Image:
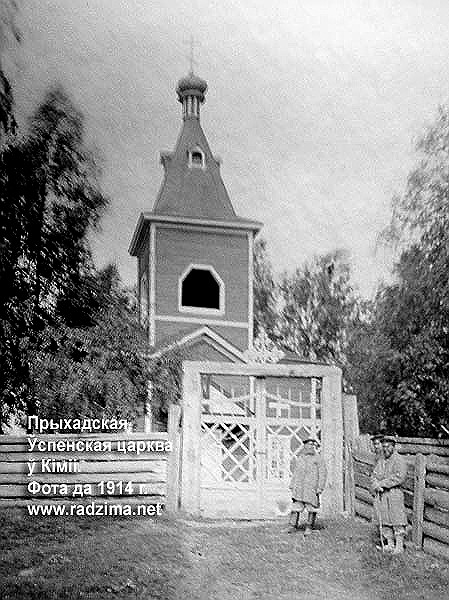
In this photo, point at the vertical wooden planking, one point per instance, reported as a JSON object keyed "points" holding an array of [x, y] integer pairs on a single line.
{"points": [[172, 501], [191, 440], [337, 440], [332, 441], [350, 434], [261, 443], [250, 288], [418, 500], [349, 483], [350, 417], [152, 285]]}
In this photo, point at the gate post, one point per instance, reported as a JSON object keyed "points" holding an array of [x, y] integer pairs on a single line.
{"points": [[349, 484], [350, 433], [172, 498], [332, 440], [191, 437], [350, 417]]}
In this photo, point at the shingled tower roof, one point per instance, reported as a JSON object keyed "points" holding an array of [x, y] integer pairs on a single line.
{"points": [[192, 192], [192, 185]]}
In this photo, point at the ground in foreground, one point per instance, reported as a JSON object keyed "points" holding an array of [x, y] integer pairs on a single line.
{"points": [[108, 558]]}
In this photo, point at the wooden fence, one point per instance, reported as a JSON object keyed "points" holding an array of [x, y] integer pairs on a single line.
{"points": [[426, 490], [152, 474]]}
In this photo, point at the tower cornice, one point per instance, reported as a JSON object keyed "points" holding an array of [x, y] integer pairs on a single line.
{"points": [[146, 218]]}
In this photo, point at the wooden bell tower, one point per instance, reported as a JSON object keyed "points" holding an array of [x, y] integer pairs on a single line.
{"points": [[195, 255]]}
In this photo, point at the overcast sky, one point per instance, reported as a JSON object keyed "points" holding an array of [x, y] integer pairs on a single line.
{"points": [[314, 107]]}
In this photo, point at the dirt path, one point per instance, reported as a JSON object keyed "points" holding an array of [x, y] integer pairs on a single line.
{"points": [[262, 562], [176, 559]]}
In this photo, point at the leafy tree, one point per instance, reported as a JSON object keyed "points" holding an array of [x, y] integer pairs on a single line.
{"points": [[369, 356], [165, 375], [318, 306], [404, 383], [8, 30], [97, 370], [313, 312], [265, 292], [50, 199], [264, 350], [79, 305]]}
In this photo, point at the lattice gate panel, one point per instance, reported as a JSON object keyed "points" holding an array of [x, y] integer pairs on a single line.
{"points": [[228, 431], [252, 430], [228, 452], [292, 414]]}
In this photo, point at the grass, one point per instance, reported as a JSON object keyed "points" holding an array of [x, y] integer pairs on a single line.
{"points": [[109, 558]]}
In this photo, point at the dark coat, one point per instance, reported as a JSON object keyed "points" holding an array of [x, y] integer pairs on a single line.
{"points": [[309, 478]]}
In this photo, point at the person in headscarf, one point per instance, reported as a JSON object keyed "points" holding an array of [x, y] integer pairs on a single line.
{"points": [[308, 483], [391, 497]]}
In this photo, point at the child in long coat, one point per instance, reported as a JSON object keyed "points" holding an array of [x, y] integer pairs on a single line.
{"points": [[308, 483]]}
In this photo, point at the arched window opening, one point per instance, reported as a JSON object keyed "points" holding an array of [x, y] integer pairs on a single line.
{"points": [[196, 159], [201, 289]]}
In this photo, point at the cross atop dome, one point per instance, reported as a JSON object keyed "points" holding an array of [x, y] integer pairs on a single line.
{"points": [[192, 43]]}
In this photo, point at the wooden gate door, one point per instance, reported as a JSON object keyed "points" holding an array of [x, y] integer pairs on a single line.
{"points": [[290, 412], [252, 429], [228, 477]]}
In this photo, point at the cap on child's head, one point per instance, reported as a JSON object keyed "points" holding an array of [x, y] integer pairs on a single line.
{"points": [[311, 440]]}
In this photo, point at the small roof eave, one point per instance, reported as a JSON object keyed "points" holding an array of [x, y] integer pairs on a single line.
{"points": [[149, 217], [137, 236]]}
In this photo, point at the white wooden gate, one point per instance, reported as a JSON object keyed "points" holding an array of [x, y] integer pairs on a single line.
{"points": [[251, 431], [250, 427]]}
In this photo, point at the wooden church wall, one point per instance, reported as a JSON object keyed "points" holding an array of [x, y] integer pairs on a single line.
{"points": [[143, 284], [203, 351], [176, 249], [238, 336]]}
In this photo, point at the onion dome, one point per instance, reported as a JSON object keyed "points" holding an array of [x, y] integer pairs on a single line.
{"points": [[191, 90], [192, 84]]}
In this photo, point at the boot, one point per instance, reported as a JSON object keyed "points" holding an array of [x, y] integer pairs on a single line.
{"points": [[310, 523], [399, 548], [297, 520], [390, 541]]}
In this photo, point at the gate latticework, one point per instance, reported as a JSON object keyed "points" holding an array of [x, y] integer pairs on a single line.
{"points": [[252, 429], [243, 428]]}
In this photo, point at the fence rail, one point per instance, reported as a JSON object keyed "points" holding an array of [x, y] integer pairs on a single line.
{"points": [[426, 490], [135, 477]]}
